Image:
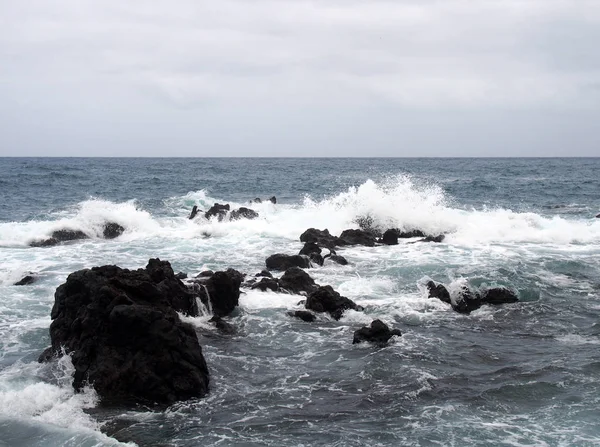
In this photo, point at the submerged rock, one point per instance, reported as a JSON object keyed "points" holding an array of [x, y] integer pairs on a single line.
{"points": [[333, 256], [125, 337], [283, 262], [264, 273], [438, 239], [378, 332], [325, 299], [243, 213]]}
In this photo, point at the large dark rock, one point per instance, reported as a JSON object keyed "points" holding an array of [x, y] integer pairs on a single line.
{"points": [[283, 262], [498, 295], [303, 315], [466, 301], [112, 230], [309, 248], [296, 280], [58, 236], [438, 291], [410, 234], [316, 258], [221, 291], [266, 284], [25, 281], [358, 237], [439, 238], [243, 213], [265, 273], [338, 259], [320, 237], [325, 299], [390, 237], [378, 332], [194, 212], [125, 337], [217, 210]]}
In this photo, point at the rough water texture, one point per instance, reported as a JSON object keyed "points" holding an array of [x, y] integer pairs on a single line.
{"points": [[524, 373]]}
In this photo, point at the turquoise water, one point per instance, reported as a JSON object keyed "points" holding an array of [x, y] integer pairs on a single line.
{"points": [[521, 374]]}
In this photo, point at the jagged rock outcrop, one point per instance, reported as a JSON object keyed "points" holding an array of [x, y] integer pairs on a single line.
{"points": [[283, 262], [64, 235], [220, 291], [194, 212], [466, 301], [325, 299], [124, 335], [358, 237], [378, 332]]}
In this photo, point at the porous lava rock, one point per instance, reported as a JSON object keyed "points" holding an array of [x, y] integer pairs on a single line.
{"points": [[378, 332], [325, 299], [125, 337]]}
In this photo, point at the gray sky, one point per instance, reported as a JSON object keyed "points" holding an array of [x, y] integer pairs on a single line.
{"points": [[300, 78]]}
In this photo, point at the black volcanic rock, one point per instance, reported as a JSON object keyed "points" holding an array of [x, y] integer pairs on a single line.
{"points": [[320, 237], [410, 234], [64, 235], [223, 291], [243, 213], [466, 301], [266, 284], [217, 210], [438, 239], [310, 247], [273, 199], [112, 230], [390, 237], [438, 291], [325, 299], [194, 212], [378, 332], [358, 237], [283, 262], [316, 258], [296, 280], [498, 295], [25, 281], [125, 337]]}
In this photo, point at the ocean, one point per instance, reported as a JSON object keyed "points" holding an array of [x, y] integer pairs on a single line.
{"points": [[522, 374]]}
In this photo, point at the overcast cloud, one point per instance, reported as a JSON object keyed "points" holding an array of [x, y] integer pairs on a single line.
{"points": [[300, 78]]}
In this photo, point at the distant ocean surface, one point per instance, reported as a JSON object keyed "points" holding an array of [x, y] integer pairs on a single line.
{"points": [[523, 374]]}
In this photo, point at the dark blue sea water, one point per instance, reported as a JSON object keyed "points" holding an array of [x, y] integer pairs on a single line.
{"points": [[524, 374]]}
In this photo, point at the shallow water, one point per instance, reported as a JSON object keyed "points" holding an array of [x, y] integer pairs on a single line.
{"points": [[520, 374]]}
